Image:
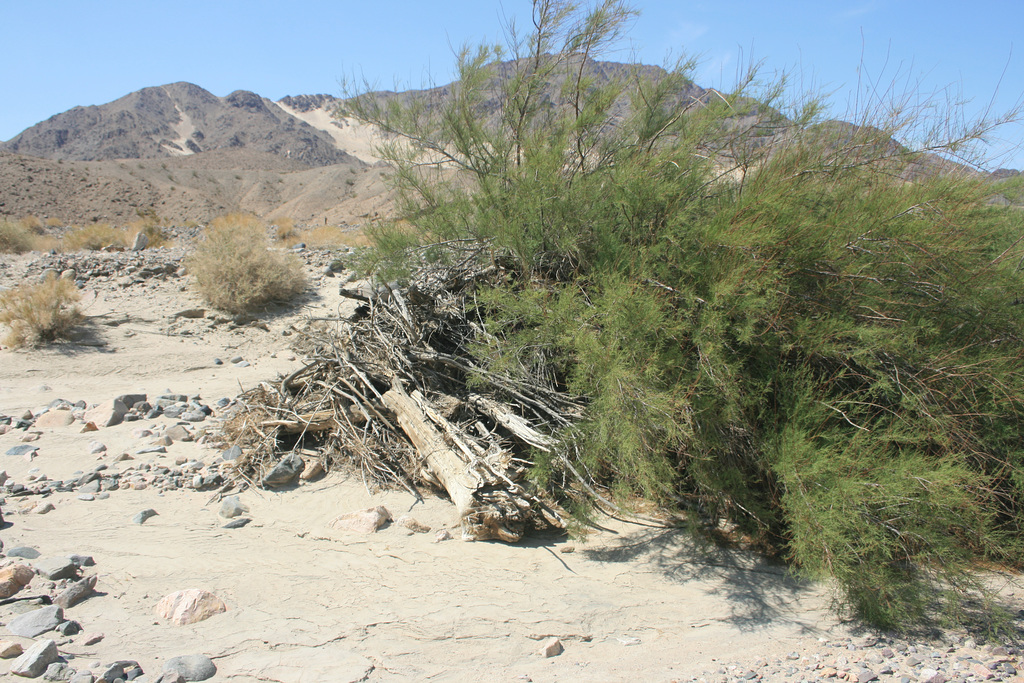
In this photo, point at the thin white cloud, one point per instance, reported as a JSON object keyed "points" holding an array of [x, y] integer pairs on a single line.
{"points": [[686, 32], [857, 11]]}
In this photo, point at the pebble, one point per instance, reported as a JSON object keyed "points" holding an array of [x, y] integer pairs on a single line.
{"points": [[285, 471], [189, 606], [191, 667], [231, 507], [236, 523]]}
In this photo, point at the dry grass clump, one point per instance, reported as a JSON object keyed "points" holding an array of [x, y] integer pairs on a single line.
{"points": [[153, 230], [32, 224], [286, 228], [15, 238], [328, 236], [39, 313], [235, 271], [94, 238]]}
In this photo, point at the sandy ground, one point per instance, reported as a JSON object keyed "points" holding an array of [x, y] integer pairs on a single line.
{"points": [[309, 604]]}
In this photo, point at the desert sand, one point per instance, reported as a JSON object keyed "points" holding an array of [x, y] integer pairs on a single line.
{"points": [[308, 603]]}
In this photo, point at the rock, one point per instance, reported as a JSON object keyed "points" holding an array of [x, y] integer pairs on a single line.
{"points": [[552, 647], [56, 568], [236, 523], [312, 470], [54, 418], [170, 677], [83, 677], [97, 447], [412, 525], [285, 471], [33, 662], [151, 450], [22, 450], [118, 670], [178, 433], [69, 628], [191, 667], [43, 508], [82, 560], [36, 622], [189, 606], [141, 517], [232, 453], [193, 416], [191, 313], [9, 649], [106, 414], [130, 400], [14, 578], [140, 242], [231, 507], [89, 427], [237, 359], [92, 638], [362, 521], [76, 592], [242, 364], [24, 552], [442, 535]]}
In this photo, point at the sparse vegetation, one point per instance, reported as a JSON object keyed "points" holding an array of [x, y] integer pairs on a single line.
{"points": [[39, 313], [94, 237], [787, 335], [235, 270], [15, 238]]}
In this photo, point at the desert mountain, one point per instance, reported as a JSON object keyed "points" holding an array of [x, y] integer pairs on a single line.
{"points": [[189, 155], [174, 120]]}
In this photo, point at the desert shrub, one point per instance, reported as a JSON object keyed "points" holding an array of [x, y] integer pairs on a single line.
{"points": [[54, 222], [32, 224], [39, 313], [235, 270], [14, 238], [150, 224], [286, 228], [325, 236], [798, 325], [94, 237]]}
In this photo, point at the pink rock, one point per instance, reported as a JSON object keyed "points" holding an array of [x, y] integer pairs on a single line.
{"points": [[14, 578], [9, 649], [362, 521], [106, 414], [92, 638], [552, 647], [189, 606], [413, 524], [54, 418]]}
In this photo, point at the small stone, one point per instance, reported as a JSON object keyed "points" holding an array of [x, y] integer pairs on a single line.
{"points": [[242, 364], [151, 450], [179, 433], [231, 453], [131, 400], [10, 649], [236, 523], [442, 535], [189, 606], [140, 242], [92, 638], [193, 416], [552, 647], [69, 628], [313, 469], [231, 507], [362, 521], [33, 662], [36, 622], [96, 447], [162, 441], [284, 472], [218, 361], [412, 524], [86, 497], [43, 508], [141, 517], [191, 667], [23, 551], [22, 450]]}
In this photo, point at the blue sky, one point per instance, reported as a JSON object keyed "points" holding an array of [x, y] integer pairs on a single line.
{"points": [[63, 53]]}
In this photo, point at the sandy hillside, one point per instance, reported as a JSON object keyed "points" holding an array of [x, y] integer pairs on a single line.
{"points": [[306, 603]]}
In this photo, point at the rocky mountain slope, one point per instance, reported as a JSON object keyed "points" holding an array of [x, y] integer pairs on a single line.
{"points": [[189, 155]]}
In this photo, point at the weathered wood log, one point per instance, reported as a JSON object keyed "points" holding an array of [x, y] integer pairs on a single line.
{"points": [[311, 422]]}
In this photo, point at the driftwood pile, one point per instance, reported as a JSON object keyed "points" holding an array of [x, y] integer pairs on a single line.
{"points": [[396, 391]]}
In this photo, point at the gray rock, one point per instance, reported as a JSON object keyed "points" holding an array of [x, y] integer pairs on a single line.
{"points": [[83, 677], [242, 364], [23, 449], [141, 241], [191, 667], [144, 515], [58, 671], [36, 622], [131, 399], [167, 399], [69, 628], [24, 552], [92, 487], [118, 669], [174, 411], [170, 677], [193, 416], [236, 523], [56, 568], [284, 472], [232, 507], [151, 449], [33, 662], [82, 560], [237, 359], [231, 453], [87, 497]]}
